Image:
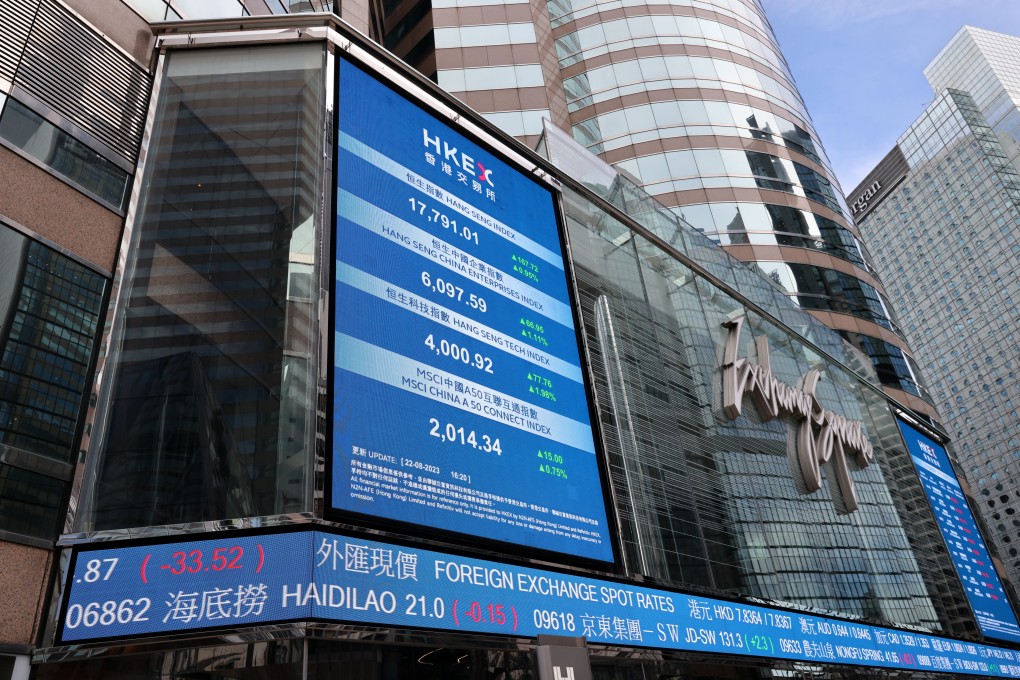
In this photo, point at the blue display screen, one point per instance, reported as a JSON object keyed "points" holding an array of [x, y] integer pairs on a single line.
{"points": [[234, 582], [459, 396], [967, 548]]}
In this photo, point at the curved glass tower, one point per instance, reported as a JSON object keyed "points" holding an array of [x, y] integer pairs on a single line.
{"points": [[695, 100]]}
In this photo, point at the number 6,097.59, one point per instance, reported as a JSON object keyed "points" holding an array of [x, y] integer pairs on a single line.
{"points": [[453, 291]]}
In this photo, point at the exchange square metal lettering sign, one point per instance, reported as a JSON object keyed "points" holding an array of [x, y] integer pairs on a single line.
{"points": [[823, 436]]}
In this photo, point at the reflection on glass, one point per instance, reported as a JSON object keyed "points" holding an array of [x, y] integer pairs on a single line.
{"points": [[151, 10], [616, 129], [276, 659], [62, 153], [210, 409], [210, 9], [610, 81], [893, 366], [828, 289], [49, 314], [704, 500], [311, 6], [691, 486], [29, 502]]}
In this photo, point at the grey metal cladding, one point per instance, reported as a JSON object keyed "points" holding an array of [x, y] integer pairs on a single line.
{"points": [[15, 22], [84, 78], [876, 186]]}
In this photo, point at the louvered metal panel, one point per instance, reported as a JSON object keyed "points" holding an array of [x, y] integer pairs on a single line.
{"points": [[85, 79], [15, 22]]}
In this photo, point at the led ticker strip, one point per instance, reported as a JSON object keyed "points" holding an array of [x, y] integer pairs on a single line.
{"points": [[967, 548], [238, 581], [459, 395]]}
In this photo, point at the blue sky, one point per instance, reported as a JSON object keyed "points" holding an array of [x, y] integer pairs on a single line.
{"points": [[860, 65]]}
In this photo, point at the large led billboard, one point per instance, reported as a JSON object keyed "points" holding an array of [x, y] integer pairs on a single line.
{"points": [[241, 579], [460, 401], [966, 547]]}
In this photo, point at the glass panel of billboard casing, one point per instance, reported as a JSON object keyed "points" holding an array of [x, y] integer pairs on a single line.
{"points": [[209, 406], [708, 501]]}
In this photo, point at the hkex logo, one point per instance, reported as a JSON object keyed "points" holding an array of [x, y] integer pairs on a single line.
{"points": [[451, 155]]}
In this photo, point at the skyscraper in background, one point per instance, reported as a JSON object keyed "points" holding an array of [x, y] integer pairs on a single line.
{"points": [[985, 65], [943, 212]]}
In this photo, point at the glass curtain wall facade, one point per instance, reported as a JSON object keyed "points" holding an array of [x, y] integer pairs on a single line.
{"points": [[696, 102], [984, 64], [49, 317], [174, 10], [212, 397], [763, 530], [212, 413], [693, 486], [947, 229]]}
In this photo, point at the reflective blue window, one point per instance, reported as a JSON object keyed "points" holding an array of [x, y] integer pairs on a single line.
{"points": [[31, 134]]}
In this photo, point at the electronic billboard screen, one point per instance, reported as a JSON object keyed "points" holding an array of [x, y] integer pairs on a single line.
{"points": [[460, 401], [967, 548], [235, 580]]}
